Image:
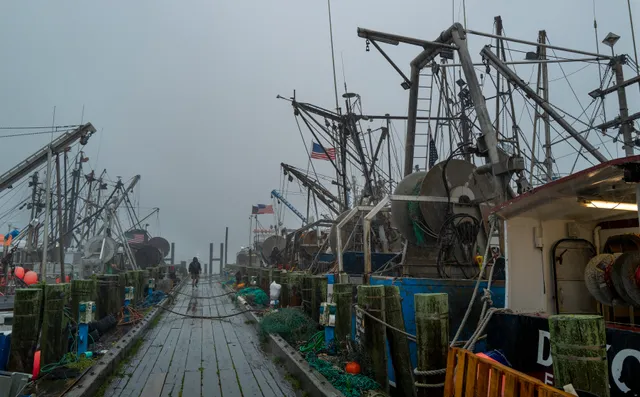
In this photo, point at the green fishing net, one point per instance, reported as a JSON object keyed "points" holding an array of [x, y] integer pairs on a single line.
{"points": [[293, 325], [349, 384], [254, 295]]}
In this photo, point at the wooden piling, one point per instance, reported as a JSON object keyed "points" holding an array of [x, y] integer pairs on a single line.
{"points": [[398, 342], [284, 290], [371, 299], [109, 296], [578, 350], [54, 341], [318, 295], [432, 335], [343, 298], [144, 283], [295, 289], [26, 328], [82, 291], [307, 292]]}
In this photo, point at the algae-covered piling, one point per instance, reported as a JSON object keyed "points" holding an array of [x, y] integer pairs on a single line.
{"points": [[26, 326], [371, 299], [82, 291], [578, 349], [54, 340], [432, 335], [398, 343], [318, 295], [343, 298]]}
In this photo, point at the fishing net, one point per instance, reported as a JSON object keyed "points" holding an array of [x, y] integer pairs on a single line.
{"points": [[254, 295], [153, 299], [293, 325], [349, 384]]}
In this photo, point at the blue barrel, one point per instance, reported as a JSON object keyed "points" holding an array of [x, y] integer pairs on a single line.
{"points": [[5, 346]]}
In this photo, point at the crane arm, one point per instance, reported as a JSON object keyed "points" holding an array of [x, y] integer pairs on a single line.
{"points": [[276, 194], [40, 157]]}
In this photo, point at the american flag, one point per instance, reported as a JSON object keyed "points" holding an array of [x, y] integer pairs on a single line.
{"points": [[433, 153], [318, 153], [261, 209], [136, 238]]}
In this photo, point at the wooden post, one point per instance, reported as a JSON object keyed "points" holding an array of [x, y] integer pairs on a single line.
{"points": [[371, 299], [318, 295], [61, 232], [343, 298], [295, 289], [398, 343], [26, 328], [307, 292], [82, 291], [578, 350], [54, 340], [432, 335], [109, 297], [284, 291]]}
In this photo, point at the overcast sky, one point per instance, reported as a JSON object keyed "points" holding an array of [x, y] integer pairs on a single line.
{"points": [[184, 92]]}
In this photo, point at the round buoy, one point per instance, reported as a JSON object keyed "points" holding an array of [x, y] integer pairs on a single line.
{"points": [[31, 277], [57, 280], [19, 272], [352, 368], [67, 279], [36, 365]]}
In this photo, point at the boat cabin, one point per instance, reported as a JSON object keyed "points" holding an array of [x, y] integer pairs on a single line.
{"points": [[552, 232]]}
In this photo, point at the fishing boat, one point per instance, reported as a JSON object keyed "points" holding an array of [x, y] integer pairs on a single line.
{"points": [[489, 207]]}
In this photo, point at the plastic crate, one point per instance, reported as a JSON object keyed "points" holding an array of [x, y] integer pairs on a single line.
{"points": [[12, 383]]}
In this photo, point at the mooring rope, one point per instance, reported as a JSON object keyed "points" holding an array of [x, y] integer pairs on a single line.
{"points": [[408, 335], [208, 317]]}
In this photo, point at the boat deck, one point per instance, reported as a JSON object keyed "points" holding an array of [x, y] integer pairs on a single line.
{"points": [[183, 356]]}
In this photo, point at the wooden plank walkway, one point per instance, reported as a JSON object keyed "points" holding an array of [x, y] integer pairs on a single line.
{"points": [[182, 356]]}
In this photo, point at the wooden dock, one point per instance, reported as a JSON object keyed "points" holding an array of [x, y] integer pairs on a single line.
{"points": [[183, 356]]}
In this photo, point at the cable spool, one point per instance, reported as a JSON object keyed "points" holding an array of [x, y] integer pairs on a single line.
{"points": [[622, 263], [401, 215], [94, 246], [242, 258], [629, 266], [597, 277], [271, 242], [161, 244], [148, 256], [464, 186], [309, 242]]}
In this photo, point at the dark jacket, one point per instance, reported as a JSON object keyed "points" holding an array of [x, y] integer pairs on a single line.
{"points": [[195, 267]]}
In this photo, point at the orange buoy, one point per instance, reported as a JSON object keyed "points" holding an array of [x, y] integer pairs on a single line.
{"points": [[19, 272], [57, 280], [352, 368], [67, 279], [31, 277], [36, 365]]}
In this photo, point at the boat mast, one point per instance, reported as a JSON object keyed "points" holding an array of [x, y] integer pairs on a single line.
{"points": [[337, 143]]}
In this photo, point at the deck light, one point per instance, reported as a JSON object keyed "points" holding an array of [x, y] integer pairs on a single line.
{"points": [[610, 205]]}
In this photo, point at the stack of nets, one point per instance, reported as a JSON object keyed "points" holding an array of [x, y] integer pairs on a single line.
{"points": [[254, 296], [350, 385], [293, 325]]}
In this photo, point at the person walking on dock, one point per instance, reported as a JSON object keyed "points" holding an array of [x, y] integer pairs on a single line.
{"points": [[194, 269]]}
